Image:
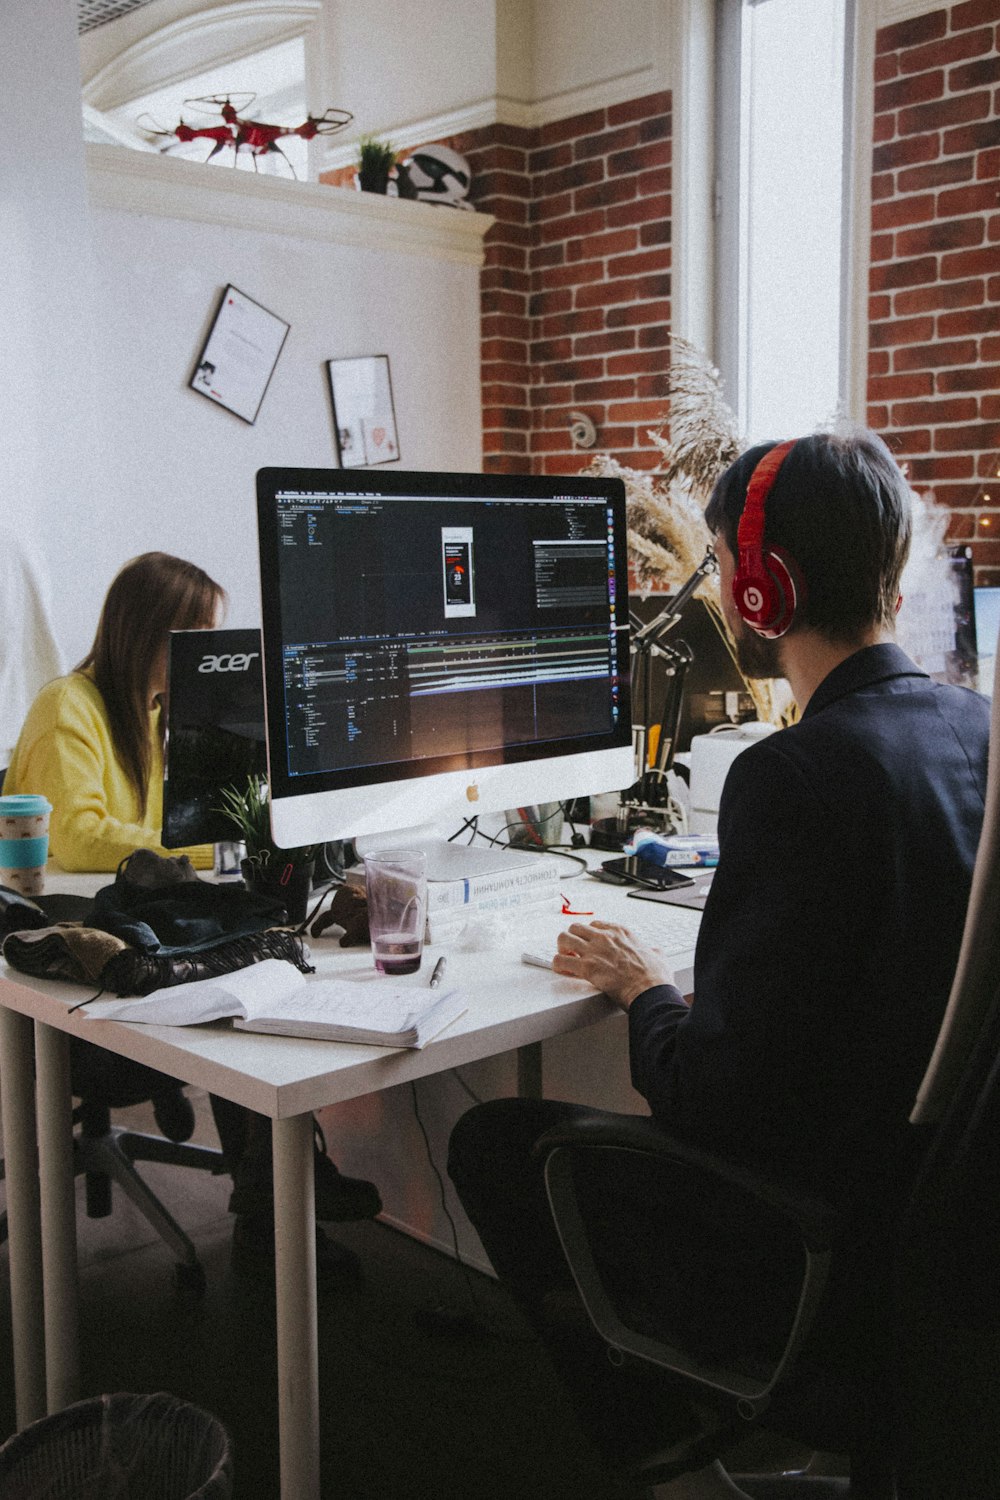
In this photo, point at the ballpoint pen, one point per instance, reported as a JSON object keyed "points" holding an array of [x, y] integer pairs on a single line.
{"points": [[439, 968]]}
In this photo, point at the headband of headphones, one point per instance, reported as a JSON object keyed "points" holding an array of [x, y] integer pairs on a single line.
{"points": [[768, 586]]}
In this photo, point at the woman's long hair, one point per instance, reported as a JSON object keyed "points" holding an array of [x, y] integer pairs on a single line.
{"points": [[150, 596]]}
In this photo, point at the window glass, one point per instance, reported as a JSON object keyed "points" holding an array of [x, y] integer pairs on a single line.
{"points": [[782, 181]]}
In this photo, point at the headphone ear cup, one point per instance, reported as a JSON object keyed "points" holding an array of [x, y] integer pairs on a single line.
{"points": [[757, 595], [788, 591], [768, 594]]}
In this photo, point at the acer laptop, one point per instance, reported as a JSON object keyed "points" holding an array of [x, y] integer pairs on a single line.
{"points": [[215, 730]]}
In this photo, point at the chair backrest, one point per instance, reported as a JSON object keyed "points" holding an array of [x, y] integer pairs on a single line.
{"points": [[947, 1307], [977, 976]]}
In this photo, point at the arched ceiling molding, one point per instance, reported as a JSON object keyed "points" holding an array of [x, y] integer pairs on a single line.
{"points": [[196, 43]]}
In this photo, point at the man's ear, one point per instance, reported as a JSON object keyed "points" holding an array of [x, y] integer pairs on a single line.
{"points": [[899, 601]]}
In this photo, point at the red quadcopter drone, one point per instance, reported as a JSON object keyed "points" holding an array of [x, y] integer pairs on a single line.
{"points": [[240, 133]]}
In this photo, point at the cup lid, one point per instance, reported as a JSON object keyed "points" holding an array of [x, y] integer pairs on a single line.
{"points": [[24, 805]]}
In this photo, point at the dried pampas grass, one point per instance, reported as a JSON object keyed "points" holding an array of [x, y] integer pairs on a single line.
{"points": [[697, 440], [667, 534]]}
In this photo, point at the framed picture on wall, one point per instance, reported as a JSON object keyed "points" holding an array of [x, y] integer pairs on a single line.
{"points": [[238, 358], [364, 418]]}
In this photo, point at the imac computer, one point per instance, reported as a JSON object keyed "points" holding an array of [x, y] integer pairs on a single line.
{"points": [[215, 730], [439, 645]]}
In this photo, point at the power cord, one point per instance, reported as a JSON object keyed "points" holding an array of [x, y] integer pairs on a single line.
{"points": [[563, 851], [439, 1317]]}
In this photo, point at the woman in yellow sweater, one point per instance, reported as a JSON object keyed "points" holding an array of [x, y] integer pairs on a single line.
{"points": [[93, 741]]}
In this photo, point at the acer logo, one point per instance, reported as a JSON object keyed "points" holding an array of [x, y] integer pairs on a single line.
{"points": [[238, 662]]}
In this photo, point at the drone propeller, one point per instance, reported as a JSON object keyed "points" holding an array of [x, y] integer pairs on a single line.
{"points": [[239, 102], [330, 120], [149, 126]]}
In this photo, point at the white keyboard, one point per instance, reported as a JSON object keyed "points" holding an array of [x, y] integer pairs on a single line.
{"points": [[671, 929]]}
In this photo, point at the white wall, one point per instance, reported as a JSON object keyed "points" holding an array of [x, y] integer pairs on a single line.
{"points": [[48, 423], [176, 471], [577, 46]]}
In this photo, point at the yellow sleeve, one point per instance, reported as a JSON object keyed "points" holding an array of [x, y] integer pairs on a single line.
{"points": [[65, 752]]}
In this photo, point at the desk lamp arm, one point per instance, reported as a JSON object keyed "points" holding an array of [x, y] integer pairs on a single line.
{"points": [[670, 615]]}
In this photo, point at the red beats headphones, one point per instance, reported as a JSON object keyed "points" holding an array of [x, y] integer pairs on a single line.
{"points": [[768, 586]]}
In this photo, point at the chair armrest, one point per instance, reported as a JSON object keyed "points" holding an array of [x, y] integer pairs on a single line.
{"points": [[814, 1218], [805, 1226]]}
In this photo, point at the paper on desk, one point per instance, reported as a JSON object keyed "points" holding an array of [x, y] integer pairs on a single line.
{"points": [[273, 996], [237, 994]]}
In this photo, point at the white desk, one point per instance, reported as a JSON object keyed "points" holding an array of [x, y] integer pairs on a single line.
{"points": [[511, 1006]]}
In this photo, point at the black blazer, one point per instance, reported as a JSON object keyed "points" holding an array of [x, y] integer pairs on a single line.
{"points": [[831, 932]]}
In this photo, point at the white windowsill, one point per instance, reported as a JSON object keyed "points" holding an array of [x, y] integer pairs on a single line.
{"points": [[140, 182]]}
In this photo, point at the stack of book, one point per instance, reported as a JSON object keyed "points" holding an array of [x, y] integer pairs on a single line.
{"points": [[533, 885]]}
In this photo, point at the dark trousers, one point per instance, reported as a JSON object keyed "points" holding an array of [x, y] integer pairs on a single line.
{"points": [[630, 1412], [98, 1074]]}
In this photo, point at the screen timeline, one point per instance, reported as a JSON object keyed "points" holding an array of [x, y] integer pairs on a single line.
{"points": [[420, 627]]}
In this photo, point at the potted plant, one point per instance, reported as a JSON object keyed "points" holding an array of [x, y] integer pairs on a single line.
{"points": [[285, 874], [376, 160]]}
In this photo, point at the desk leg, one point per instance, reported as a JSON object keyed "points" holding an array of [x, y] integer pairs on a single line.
{"points": [[17, 1091], [295, 1293], [529, 1071], [55, 1162]]}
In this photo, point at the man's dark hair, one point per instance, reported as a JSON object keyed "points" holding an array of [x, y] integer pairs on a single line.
{"points": [[841, 506]]}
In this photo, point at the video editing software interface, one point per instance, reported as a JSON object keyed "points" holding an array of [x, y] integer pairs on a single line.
{"points": [[440, 627]]}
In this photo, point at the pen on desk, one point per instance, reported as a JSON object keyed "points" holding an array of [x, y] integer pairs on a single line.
{"points": [[439, 969]]}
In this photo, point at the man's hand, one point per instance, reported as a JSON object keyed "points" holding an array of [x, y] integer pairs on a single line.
{"points": [[612, 959]]}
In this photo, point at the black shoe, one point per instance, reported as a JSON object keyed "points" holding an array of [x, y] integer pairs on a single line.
{"points": [[174, 1114], [252, 1257], [339, 1199]]}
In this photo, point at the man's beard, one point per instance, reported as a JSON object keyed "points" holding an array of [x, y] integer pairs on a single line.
{"points": [[757, 655]]}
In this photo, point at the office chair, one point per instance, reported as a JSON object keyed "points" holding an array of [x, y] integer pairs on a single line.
{"points": [[105, 1153], [745, 1334]]}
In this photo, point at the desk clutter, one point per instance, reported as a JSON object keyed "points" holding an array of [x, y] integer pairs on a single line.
{"points": [[531, 885], [198, 952], [156, 924]]}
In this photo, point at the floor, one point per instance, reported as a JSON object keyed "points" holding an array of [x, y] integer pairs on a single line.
{"points": [[431, 1386]]}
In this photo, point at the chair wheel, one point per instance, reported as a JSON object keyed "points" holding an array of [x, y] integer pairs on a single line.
{"points": [[188, 1278]]}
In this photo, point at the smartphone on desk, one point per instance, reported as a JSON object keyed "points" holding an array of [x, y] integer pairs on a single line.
{"points": [[632, 869], [694, 894]]}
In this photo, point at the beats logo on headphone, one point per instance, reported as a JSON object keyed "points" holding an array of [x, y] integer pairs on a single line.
{"points": [[768, 586]]}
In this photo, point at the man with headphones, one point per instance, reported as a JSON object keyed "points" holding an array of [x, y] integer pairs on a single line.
{"points": [[834, 920]]}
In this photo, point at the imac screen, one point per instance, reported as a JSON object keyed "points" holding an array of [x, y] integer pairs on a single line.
{"points": [[423, 630], [215, 730]]}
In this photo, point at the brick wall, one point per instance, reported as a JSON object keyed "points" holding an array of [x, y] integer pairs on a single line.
{"points": [[934, 365], [575, 283]]}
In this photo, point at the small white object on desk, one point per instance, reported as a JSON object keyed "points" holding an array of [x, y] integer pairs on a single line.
{"points": [[537, 960]]}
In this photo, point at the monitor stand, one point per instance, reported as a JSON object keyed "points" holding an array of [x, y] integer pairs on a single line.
{"points": [[445, 860]]}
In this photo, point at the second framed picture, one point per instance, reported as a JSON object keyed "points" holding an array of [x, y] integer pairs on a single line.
{"points": [[364, 418]]}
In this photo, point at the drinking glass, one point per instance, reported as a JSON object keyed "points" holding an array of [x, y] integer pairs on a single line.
{"points": [[396, 885]]}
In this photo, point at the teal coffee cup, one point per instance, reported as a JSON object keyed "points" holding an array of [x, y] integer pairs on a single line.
{"points": [[24, 842]]}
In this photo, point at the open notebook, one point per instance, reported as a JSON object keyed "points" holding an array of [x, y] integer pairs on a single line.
{"points": [[273, 996]]}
